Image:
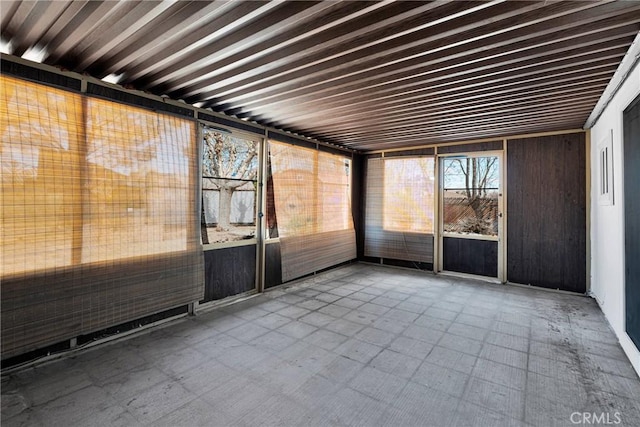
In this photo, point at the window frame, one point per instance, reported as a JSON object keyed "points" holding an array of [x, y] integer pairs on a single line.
{"points": [[318, 208], [433, 194], [501, 180], [258, 200]]}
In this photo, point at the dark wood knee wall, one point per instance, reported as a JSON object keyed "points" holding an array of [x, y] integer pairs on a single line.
{"points": [[546, 211]]}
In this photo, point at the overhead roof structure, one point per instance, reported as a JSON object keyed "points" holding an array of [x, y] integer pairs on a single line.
{"points": [[365, 75]]}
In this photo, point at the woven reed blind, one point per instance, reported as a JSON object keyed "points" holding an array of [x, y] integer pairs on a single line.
{"points": [[99, 220], [312, 196], [399, 208]]}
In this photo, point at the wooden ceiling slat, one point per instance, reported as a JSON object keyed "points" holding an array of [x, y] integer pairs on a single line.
{"points": [[297, 43], [604, 69], [534, 65], [244, 38], [90, 15], [8, 24], [477, 39], [231, 16], [59, 29], [455, 127], [111, 34], [366, 75], [39, 20], [343, 41], [161, 32], [351, 100], [474, 130], [459, 103], [426, 123], [497, 132], [404, 116], [504, 114], [16, 14], [413, 47], [119, 18]]}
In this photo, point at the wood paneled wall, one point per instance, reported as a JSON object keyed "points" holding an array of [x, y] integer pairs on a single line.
{"points": [[358, 200], [470, 256], [546, 211], [467, 148], [229, 271], [42, 309], [273, 265]]}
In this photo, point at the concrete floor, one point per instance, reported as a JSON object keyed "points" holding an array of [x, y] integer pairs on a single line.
{"points": [[359, 345]]}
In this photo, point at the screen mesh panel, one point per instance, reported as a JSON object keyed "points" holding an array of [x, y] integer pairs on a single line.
{"points": [[138, 180], [399, 217], [229, 185], [99, 220], [42, 147], [312, 200]]}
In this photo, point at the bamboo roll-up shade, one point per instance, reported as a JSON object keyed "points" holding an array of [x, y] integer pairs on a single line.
{"points": [[312, 199], [99, 220], [41, 164], [399, 217], [302, 255], [139, 197]]}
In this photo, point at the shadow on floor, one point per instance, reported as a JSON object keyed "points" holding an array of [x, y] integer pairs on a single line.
{"points": [[358, 345]]}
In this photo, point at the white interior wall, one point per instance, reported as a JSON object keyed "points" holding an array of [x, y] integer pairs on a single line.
{"points": [[607, 222]]}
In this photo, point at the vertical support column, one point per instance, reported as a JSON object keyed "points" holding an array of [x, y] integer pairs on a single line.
{"points": [[587, 137], [261, 204], [502, 220], [193, 308], [199, 196], [437, 244], [204, 235]]}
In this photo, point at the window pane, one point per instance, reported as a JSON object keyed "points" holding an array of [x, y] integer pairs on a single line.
{"points": [[471, 187], [295, 188], [138, 182], [311, 197], [399, 208], [98, 217], [334, 191], [408, 195], [312, 190], [41, 156], [229, 182]]}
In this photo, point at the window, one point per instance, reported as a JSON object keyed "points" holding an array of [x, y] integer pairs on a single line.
{"points": [[41, 161], [408, 195], [605, 170], [109, 183], [470, 202], [229, 184], [99, 225], [311, 193], [399, 209], [137, 173], [334, 183], [295, 186], [312, 190]]}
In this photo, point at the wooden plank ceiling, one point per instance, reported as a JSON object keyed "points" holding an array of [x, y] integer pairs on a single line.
{"points": [[366, 75]]}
